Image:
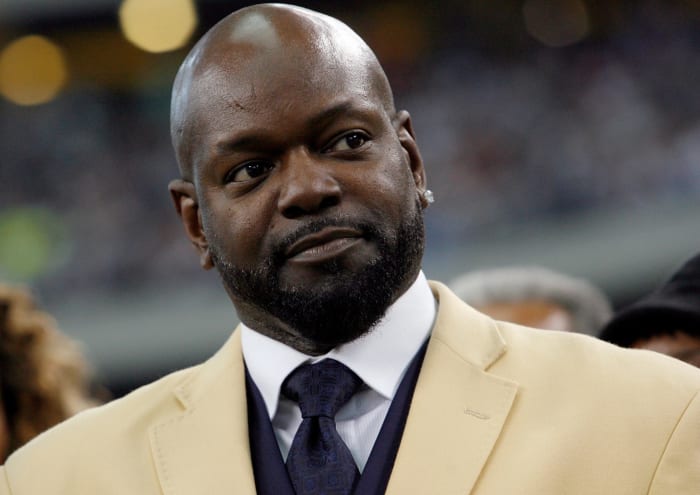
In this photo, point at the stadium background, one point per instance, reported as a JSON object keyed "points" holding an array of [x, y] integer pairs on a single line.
{"points": [[560, 133]]}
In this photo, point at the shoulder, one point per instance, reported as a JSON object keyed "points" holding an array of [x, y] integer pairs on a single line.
{"points": [[582, 357], [642, 405], [97, 438], [567, 375], [589, 403], [142, 406], [110, 449], [623, 396], [527, 355]]}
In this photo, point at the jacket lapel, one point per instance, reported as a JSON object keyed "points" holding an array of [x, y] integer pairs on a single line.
{"points": [[456, 415], [458, 409], [205, 448]]}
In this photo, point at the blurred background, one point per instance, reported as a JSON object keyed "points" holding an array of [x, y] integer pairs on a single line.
{"points": [[563, 133]]}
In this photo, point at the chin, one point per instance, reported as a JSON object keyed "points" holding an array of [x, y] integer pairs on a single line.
{"points": [[327, 274], [332, 301]]}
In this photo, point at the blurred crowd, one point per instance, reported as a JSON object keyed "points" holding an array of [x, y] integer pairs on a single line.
{"points": [[606, 125], [603, 124]]}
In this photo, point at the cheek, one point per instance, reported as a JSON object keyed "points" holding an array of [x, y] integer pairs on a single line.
{"points": [[389, 183], [397, 190], [233, 231]]}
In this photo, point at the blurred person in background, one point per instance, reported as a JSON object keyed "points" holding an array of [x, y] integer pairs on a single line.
{"points": [[44, 377], [304, 187], [666, 321], [535, 297]]}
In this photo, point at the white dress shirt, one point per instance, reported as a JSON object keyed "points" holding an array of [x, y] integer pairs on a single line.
{"points": [[380, 359]]}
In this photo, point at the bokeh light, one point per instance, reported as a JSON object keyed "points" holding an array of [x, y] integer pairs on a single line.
{"points": [[33, 241], [158, 25], [32, 70], [556, 23]]}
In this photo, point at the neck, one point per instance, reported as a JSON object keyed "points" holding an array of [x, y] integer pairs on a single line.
{"points": [[265, 323]]}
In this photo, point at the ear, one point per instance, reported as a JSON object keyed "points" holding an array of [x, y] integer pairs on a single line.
{"points": [[404, 130], [185, 198]]}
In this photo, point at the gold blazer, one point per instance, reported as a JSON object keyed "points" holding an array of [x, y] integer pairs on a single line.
{"points": [[498, 410]]}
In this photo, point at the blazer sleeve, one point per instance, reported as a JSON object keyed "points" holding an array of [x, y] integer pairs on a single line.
{"points": [[678, 471]]}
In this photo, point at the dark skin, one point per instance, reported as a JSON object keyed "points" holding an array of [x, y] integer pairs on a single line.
{"points": [[283, 117], [678, 344]]}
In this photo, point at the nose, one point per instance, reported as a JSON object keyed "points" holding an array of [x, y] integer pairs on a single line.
{"points": [[308, 185]]}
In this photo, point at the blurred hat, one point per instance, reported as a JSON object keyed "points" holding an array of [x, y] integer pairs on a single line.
{"points": [[673, 306]]}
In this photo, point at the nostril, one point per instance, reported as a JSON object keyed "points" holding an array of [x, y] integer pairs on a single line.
{"points": [[329, 201], [293, 212]]}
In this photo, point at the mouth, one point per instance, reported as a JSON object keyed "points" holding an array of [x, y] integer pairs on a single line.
{"points": [[324, 244]]}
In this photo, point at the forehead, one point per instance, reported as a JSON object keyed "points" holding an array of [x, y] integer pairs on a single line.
{"points": [[247, 87], [262, 60], [272, 80]]}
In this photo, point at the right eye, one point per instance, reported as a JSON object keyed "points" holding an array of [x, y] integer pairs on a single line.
{"points": [[249, 171]]}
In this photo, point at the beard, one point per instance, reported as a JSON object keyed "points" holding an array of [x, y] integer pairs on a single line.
{"points": [[349, 302]]}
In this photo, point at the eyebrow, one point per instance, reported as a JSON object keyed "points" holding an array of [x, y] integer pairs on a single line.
{"points": [[256, 140], [330, 114], [244, 142]]}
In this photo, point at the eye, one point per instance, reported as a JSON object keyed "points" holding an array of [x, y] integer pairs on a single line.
{"points": [[249, 171], [350, 141]]}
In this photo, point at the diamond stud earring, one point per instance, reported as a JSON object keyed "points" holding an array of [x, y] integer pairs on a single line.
{"points": [[429, 197]]}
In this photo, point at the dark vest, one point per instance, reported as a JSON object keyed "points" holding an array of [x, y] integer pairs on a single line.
{"points": [[270, 472]]}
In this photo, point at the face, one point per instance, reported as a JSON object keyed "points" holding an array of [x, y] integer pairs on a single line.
{"points": [[304, 196], [679, 345], [535, 313]]}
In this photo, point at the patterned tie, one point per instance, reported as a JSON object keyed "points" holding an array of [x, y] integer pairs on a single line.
{"points": [[319, 462]]}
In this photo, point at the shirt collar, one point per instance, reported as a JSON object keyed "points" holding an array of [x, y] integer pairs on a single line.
{"points": [[380, 358]]}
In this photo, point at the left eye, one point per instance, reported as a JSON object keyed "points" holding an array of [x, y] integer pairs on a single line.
{"points": [[249, 171], [349, 141]]}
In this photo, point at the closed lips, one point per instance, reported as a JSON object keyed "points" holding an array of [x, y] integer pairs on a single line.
{"points": [[328, 237]]}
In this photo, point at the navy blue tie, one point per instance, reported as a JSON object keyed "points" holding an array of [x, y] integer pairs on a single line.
{"points": [[319, 462]]}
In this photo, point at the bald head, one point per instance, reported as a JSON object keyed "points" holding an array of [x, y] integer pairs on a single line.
{"points": [[266, 49]]}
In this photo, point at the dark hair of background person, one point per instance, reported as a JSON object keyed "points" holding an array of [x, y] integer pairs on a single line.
{"points": [[670, 310], [44, 377]]}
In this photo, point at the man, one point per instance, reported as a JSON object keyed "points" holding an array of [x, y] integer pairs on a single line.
{"points": [[666, 321], [536, 297], [304, 187]]}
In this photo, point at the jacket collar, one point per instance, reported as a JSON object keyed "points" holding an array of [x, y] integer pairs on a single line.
{"points": [[457, 413], [458, 408]]}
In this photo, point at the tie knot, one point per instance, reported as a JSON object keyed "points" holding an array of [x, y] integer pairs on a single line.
{"points": [[321, 389]]}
